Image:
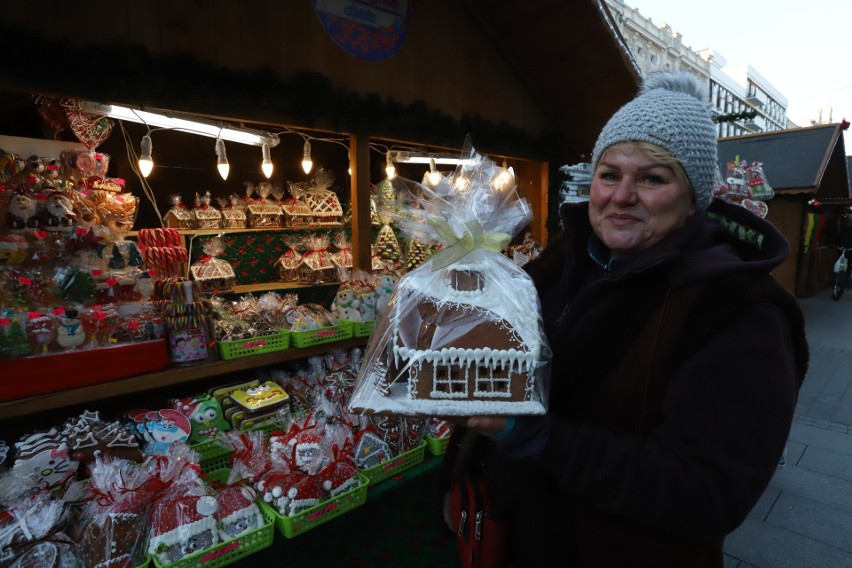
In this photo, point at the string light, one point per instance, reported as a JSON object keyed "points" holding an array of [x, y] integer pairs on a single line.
{"points": [[390, 170], [146, 161], [222, 159], [266, 164], [433, 176], [506, 177], [307, 163]]}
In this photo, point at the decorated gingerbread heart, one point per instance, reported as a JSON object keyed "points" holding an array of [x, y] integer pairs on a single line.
{"points": [[759, 208]]}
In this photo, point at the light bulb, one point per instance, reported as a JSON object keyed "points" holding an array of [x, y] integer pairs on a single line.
{"points": [[350, 168], [506, 177], [222, 159], [307, 163], [266, 164], [389, 169], [146, 162], [433, 176]]}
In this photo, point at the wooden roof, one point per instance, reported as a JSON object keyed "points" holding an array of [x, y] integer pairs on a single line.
{"points": [[570, 55], [809, 160]]}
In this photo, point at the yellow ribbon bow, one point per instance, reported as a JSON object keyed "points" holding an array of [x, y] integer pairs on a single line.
{"points": [[472, 239]]}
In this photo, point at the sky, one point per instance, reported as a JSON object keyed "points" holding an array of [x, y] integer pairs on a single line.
{"points": [[800, 48]]}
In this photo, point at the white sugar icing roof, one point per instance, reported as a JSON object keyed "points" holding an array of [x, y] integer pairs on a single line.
{"points": [[508, 291]]}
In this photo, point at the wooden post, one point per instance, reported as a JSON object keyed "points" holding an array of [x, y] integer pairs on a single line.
{"points": [[359, 160]]}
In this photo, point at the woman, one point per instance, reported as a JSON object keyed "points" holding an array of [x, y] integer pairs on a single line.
{"points": [[677, 358]]}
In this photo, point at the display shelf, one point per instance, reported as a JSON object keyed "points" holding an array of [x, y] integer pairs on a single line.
{"points": [[167, 377], [263, 287], [223, 230]]}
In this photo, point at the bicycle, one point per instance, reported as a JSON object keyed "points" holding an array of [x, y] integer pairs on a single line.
{"points": [[840, 276]]}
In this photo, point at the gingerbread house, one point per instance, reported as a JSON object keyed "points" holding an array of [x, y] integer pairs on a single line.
{"points": [[263, 214], [324, 203], [206, 216], [178, 216], [458, 341], [297, 214]]}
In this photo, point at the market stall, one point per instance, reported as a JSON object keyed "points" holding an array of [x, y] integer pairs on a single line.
{"points": [[283, 70], [808, 173]]}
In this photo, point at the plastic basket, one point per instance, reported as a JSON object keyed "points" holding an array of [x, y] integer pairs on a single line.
{"points": [[437, 446], [321, 513], [214, 455], [400, 463], [254, 345], [328, 334], [218, 476], [361, 328], [230, 551]]}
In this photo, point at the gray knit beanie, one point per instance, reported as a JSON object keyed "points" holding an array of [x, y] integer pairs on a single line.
{"points": [[671, 111]]}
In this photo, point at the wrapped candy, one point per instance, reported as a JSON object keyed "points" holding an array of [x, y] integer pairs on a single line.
{"points": [[462, 334], [13, 339], [289, 262], [525, 251], [41, 331], [356, 298], [756, 180], [32, 527], [305, 317], [183, 520], [113, 528]]}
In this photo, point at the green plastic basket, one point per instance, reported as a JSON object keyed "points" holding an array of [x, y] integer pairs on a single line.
{"points": [[254, 345], [328, 334], [230, 551], [361, 328], [400, 463], [437, 446], [321, 513], [217, 476], [214, 455]]}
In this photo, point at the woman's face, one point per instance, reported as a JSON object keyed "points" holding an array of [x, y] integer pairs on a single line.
{"points": [[635, 200]]}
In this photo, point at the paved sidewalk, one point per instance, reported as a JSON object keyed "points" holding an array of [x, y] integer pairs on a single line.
{"points": [[804, 519]]}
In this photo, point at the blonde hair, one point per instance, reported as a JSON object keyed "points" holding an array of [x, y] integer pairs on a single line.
{"points": [[658, 153]]}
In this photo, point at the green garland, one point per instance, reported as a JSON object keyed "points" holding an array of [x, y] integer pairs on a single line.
{"points": [[735, 116]]}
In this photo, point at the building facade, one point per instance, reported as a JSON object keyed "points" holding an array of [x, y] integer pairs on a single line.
{"points": [[736, 91]]}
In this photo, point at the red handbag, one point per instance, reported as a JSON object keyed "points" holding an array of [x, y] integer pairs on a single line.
{"points": [[481, 538]]}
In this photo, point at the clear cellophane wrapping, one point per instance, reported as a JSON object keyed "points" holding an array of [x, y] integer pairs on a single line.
{"points": [[462, 333]]}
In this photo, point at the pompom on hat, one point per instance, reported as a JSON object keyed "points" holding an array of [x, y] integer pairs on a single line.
{"points": [[671, 111]]}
